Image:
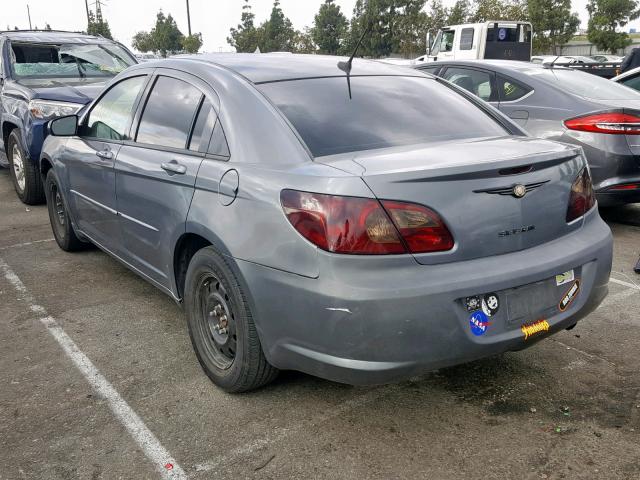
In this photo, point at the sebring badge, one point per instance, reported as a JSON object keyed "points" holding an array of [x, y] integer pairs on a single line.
{"points": [[519, 191]]}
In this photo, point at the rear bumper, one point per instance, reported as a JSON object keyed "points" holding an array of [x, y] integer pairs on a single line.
{"points": [[371, 320]]}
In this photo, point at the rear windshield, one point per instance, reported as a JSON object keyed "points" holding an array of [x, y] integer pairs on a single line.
{"points": [[383, 112], [586, 85]]}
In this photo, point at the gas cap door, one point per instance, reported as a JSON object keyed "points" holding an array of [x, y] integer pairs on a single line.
{"points": [[228, 189]]}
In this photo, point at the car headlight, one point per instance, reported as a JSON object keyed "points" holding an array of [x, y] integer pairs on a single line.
{"points": [[48, 109]]}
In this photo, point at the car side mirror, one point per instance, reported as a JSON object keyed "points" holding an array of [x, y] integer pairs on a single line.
{"points": [[429, 41], [64, 126]]}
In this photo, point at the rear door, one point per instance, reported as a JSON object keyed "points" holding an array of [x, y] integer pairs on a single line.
{"points": [[89, 160], [156, 173]]}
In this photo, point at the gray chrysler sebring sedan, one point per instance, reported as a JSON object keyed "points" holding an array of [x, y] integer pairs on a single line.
{"points": [[362, 222]]}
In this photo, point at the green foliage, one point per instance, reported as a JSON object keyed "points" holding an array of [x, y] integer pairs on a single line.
{"points": [[330, 28], [278, 32], [304, 42], [165, 38], [98, 27], [47, 27], [459, 13], [246, 37], [605, 18], [192, 43], [485, 10], [553, 24]]}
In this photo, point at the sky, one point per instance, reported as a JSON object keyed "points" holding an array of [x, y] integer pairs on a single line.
{"points": [[213, 18]]}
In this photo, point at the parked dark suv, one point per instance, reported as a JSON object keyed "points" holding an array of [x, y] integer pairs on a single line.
{"points": [[43, 75]]}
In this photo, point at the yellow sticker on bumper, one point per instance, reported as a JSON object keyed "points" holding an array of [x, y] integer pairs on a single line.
{"points": [[536, 327]]}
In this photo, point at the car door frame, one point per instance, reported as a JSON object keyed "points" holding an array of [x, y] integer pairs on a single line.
{"points": [[494, 99], [208, 93]]}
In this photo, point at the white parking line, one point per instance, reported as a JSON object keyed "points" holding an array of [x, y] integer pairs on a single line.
{"points": [[626, 284], [26, 244], [161, 459]]}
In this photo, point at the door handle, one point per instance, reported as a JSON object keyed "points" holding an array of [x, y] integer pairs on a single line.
{"points": [[106, 154], [174, 167]]}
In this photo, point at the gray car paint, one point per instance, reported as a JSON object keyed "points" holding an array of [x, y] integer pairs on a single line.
{"points": [[356, 319], [613, 158]]}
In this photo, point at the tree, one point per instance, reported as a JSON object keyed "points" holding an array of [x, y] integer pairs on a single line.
{"points": [[485, 10], [437, 18], [278, 32], [47, 27], [304, 43], [192, 43], [459, 13], [409, 36], [605, 18], [245, 38], [143, 42], [329, 28], [553, 24], [164, 38], [98, 26]]}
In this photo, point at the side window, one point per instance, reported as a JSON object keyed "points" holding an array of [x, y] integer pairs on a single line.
{"points": [[169, 113], [511, 90], [474, 81], [218, 144], [633, 82], [446, 44], [432, 69], [110, 117], [203, 127], [466, 39]]}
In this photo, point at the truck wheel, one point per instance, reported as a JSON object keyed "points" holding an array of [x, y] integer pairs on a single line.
{"points": [[221, 326], [25, 175], [63, 231]]}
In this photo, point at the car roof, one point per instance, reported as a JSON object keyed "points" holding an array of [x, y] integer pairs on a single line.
{"points": [[504, 66], [271, 67], [47, 36]]}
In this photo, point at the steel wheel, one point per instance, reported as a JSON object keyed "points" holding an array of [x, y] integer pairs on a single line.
{"points": [[18, 167], [217, 322]]}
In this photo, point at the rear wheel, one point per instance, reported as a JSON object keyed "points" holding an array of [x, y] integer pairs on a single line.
{"points": [[221, 326], [63, 231], [25, 175]]}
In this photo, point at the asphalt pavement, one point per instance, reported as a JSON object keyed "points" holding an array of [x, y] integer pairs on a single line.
{"points": [[98, 380]]}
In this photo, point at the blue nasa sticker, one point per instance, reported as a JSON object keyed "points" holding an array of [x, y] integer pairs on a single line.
{"points": [[479, 323]]}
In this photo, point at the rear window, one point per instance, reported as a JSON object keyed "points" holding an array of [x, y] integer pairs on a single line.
{"points": [[383, 112], [586, 85]]}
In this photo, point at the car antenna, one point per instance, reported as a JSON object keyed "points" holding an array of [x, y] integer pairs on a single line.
{"points": [[550, 65], [346, 66]]}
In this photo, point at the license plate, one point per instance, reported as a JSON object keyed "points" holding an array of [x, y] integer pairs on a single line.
{"points": [[531, 302]]}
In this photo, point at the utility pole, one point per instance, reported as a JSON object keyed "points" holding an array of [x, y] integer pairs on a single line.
{"points": [[86, 5], [188, 18], [29, 15]]}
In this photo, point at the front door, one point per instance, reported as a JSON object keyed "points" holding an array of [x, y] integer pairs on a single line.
{"points": [[89, 159], [156, 174]]}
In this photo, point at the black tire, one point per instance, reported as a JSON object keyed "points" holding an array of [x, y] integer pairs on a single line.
{"points": [[25, 175], [215, 302], [61, 225]]}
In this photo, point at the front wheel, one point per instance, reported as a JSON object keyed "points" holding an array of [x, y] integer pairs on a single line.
{"points": [[63, 231], [25, 175], [221, 325]]}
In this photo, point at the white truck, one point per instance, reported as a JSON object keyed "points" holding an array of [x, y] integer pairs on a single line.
{"points": [[506, 40]]}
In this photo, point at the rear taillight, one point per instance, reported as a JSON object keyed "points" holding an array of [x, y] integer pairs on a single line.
{"points": [[616, 123], [362, 226], [582, 198]]}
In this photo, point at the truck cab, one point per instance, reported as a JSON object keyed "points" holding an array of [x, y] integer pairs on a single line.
{"points": [[505, 40]]}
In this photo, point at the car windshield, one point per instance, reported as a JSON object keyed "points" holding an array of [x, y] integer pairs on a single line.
{"points": [[586, 85], [70, 60], [384, 111]]}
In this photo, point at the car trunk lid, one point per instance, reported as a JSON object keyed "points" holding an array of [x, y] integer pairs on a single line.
{"points": [[470, 185]]}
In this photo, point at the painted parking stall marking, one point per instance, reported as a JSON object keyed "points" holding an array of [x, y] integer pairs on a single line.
{"points": [[161, 459]]}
